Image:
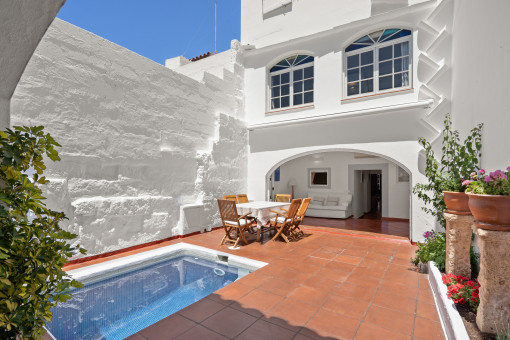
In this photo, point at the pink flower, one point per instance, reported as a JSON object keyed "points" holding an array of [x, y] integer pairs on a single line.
{"points": [[473, 174], [482, 171], [488, 179], [466, 182], [508, 168]]}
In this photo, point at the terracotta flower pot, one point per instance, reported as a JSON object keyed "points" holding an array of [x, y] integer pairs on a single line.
{"points": [[456, 203], [490, 212]]}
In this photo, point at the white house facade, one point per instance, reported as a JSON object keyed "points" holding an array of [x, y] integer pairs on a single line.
{"points": [[338, 88], [381, 79]]}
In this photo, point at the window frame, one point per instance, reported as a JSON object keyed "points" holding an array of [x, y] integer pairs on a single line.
{"points": [[375, 48], [290, 70]]}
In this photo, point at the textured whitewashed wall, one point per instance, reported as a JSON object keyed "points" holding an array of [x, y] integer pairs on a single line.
{"points": [[264, 22], [140, 141], [22, 25], [481, 75]]}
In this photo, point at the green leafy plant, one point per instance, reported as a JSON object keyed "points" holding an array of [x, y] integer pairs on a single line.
{"points": [[504, 335], [495, 183], [457, 161], [474, 260], [433, 249], [33, 248]]}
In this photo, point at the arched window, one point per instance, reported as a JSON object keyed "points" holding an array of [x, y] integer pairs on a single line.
{"points": [[378, 62], [291, 82]]}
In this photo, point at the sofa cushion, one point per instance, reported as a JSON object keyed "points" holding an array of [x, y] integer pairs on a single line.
{"points": [[318, 200], [315, 206], [331, 207], [332, 201], [343, 204], [345, 198]]}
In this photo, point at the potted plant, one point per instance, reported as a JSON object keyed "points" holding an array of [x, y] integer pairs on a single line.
{"points": [[454, 195], [489, 199], [446, 177]]}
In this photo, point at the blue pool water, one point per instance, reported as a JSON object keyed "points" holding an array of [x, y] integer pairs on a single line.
{"points": [[123, 305]]}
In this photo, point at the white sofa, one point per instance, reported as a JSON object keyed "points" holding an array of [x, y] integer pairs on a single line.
{"points": [[329, 204]]}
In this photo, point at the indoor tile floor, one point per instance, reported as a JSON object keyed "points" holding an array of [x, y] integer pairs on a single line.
{"points": [[329, 285]]}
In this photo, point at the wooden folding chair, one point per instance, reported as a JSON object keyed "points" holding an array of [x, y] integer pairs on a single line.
{"points": [[230, 197], [295, 231], [283, 222], [242, 198], [234, 224], [282, 198]]}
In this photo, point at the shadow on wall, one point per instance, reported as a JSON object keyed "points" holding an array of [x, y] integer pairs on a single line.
{"points": [[422, 162], [404, 125]]}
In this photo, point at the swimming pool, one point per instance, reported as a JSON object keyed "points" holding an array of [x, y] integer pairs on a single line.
{"points": [[122, 297]]}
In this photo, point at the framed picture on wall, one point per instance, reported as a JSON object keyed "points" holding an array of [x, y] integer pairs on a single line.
{"points": [[277, 175], [319, 178], [402, 175]]}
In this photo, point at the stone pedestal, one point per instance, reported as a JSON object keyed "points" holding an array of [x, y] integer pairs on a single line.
{"points": [[458, 242], [494, 312]]}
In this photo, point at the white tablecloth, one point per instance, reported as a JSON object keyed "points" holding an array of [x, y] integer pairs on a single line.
{"points": [[261, 210]]}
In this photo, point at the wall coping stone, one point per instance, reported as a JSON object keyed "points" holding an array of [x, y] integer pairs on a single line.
{"points": [[451, 321]]}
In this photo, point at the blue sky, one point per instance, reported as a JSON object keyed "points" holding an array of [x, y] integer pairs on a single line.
{"points": [[158, 29]]}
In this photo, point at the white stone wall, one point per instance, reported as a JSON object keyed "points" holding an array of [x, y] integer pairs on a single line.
{"points": [[481, 75], [327, 47], [268, 22], [387, 125], [22, 25], [140, 141]]}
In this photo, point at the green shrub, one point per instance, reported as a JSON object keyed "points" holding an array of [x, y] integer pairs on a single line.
{"points": [[33, 248], [433, 249], [503, 335]]}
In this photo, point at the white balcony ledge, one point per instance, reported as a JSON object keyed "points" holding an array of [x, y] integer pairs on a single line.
{"points": [[365, 112]]}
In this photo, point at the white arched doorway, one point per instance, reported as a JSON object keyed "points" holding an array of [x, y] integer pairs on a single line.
{"points": [[402, 154], [377, 192]]}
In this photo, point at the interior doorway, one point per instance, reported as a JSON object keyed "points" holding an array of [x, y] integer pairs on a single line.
{"points": [[368, 198], [374, 195]]}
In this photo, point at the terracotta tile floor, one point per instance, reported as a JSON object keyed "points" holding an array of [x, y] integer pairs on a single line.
{"points": [[367, 224], [329, 285]]}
